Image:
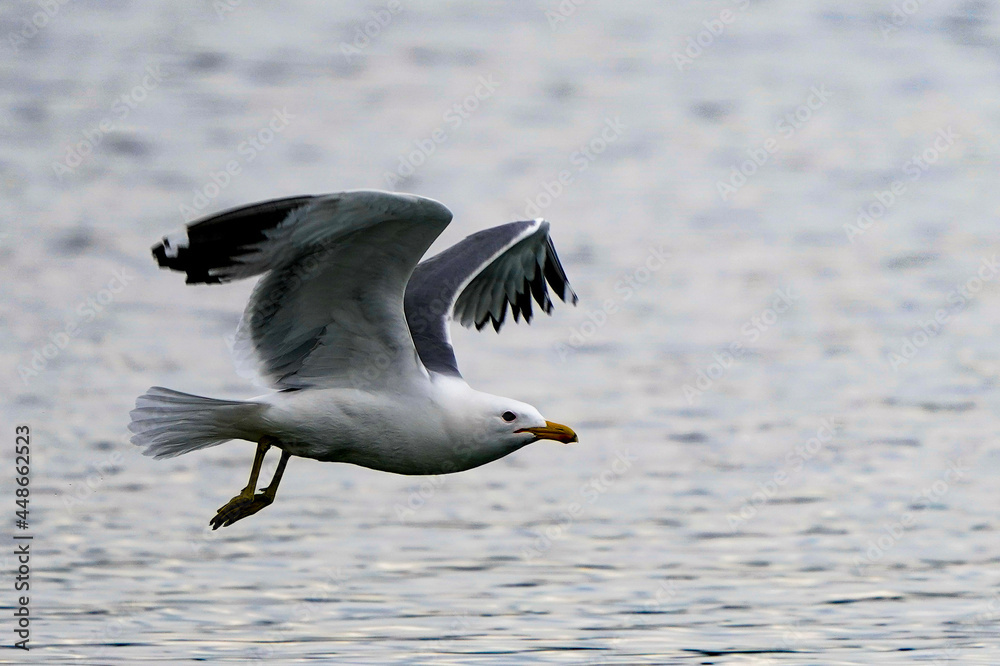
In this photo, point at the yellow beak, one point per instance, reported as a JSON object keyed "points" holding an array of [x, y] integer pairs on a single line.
{"points": [[555, 431]]}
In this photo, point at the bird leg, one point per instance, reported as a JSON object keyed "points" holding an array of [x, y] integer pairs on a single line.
{"points": [[247, 503]]}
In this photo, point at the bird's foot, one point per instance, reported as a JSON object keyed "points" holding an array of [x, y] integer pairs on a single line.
{"points": [[240, 507]]}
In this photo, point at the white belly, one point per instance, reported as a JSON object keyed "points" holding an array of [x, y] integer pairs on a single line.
{"points": [[404, 433]]}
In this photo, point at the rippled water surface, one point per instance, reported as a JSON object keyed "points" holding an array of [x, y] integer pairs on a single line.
{"points": [[788, 435]]}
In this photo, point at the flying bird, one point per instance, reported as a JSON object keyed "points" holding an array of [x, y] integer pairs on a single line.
{"points": [[352, 334]]}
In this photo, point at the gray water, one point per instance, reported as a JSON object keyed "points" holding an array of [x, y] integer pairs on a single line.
{"points": [[823, 491]]}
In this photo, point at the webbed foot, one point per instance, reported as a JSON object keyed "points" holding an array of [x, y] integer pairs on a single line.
{"points": [[240, 507]]}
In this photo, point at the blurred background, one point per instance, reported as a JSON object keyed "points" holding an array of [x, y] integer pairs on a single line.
{"points": [[780, 217]]}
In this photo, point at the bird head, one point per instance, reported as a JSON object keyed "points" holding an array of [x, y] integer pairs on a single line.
{"points": [[487, 427], [520, 423]]}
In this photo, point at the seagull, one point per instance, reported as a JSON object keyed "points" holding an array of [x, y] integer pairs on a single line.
{"points": [[352, 334]]}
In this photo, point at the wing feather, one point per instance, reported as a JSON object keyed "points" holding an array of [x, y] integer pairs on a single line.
{"points": [[328, 310], [476, 281]]}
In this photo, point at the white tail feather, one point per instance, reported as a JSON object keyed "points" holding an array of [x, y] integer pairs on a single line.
{"points": [[169, 423]]}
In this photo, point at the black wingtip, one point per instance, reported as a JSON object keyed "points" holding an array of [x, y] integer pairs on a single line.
{"points": [[524, 302], [556, 276], [160, 254], [498, 322], [216, 241], [180, 262], [540, 292]]}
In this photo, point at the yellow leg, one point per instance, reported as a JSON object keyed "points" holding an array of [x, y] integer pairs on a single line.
{"points": [[272, 488], [262, 446], [247, 503]]}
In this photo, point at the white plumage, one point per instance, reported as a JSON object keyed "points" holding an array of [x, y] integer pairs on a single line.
{"points": [[353, 334]]}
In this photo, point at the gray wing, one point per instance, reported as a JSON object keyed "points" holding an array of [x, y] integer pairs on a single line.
{"points": [[476, 280], [328, 310]]}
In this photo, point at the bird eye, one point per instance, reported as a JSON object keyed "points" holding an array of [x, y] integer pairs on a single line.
{"points": [[508, 416]]}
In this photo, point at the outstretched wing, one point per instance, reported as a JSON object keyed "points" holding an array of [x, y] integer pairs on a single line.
{"points": [[328, 310], [476, 280]]}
